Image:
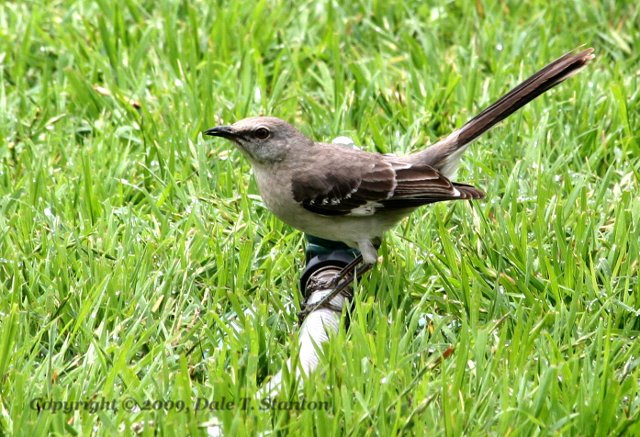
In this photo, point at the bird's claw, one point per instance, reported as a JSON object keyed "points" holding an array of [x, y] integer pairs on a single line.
{"points": [[337, 284]]}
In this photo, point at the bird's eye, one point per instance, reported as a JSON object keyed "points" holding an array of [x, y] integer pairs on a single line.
{"points": [[262, 133]]}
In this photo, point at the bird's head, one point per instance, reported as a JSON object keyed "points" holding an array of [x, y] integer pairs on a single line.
{"points": [[262, 140]]}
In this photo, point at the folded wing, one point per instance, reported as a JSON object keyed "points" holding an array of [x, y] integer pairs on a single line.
{"points": [[360, 188]]}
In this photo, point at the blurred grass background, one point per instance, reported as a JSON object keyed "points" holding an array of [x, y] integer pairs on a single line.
{"points": [[136, 260]]}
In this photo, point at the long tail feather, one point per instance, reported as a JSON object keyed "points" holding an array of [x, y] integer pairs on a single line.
{"points": [[445, 154]]}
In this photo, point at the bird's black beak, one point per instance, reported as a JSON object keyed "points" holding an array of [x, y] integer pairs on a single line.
{"points": [[221, 131]]}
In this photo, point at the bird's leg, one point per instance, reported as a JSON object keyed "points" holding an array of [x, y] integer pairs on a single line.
{"points": [[346, 271], [342, 280], [367, 258], [331, 282]]}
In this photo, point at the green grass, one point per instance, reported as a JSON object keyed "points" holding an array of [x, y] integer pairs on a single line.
{"points": [[137, 261]]}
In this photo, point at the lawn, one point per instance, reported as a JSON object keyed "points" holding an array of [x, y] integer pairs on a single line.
{"points": [[142, 278]]}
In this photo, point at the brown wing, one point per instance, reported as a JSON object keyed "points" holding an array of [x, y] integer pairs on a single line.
{"points": [[364, 187]]}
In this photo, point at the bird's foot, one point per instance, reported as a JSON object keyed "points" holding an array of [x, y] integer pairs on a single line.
{"points": [[347, 272], [338, 284]]}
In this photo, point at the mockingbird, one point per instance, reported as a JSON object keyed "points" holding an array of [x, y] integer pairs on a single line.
{"points": [[354, 196]]}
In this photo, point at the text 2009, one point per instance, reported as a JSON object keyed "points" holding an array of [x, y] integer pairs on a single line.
{"points": [[130, 404]]}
